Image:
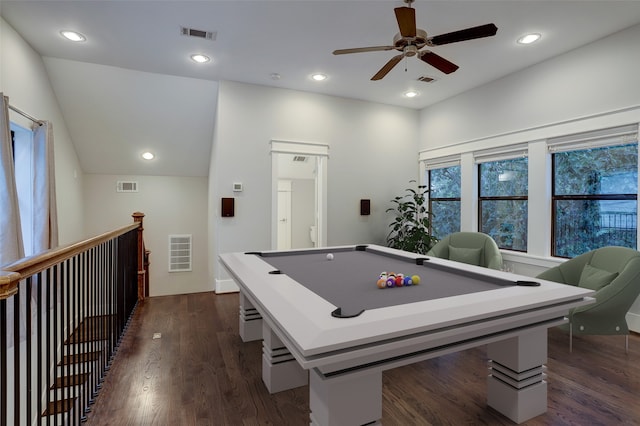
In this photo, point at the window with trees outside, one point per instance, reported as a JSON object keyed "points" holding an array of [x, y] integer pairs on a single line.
{"points": [[444, 200], [503, 202], [594, 199]]}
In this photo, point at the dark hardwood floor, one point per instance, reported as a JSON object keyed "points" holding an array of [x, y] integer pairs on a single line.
{"points": [[200, 373]]}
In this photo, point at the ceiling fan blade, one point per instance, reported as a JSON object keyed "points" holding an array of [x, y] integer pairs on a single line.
{"points": [[481, 31], [362, 49], [406, 17], [438, 62], [387, 67]]}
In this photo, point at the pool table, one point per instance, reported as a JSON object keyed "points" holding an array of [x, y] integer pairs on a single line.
{"points": [[324, 322]]}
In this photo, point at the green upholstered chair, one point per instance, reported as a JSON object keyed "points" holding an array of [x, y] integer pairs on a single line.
{"points": [[614, 273], [474, 248]]}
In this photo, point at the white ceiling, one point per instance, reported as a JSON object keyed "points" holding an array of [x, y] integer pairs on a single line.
{"points": [[257, 38]]}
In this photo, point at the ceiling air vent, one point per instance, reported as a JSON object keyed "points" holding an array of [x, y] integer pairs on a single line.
{"points": [[426, 79], [180, 253], [192, 32], [299, 158], [126, 186]]}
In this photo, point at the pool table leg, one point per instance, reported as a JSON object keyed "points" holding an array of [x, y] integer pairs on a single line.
{"points": [[280, 370], [354, 399], [250, 325], [516, 385]]}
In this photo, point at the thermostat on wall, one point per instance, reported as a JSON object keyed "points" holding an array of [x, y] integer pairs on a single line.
{"points": [[237, 187]]}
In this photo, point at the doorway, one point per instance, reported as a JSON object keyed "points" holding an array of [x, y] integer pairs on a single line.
{"points": [[299, 195]]}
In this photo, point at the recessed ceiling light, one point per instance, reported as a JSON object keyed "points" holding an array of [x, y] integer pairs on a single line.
{"points": [[411, 93], [319, 77], [275, 76], [200, 58], [148, 155], [72, 35], [529, 38]]}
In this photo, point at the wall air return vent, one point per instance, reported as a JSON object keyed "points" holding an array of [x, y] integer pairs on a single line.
{"points": [[299, 159], [126, 186], [180, 253], [192, 32]]}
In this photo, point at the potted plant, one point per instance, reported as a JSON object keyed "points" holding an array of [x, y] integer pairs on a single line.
{"points": [[410, 230]]}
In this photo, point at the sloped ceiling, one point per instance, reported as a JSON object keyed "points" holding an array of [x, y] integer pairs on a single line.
{"points": [[131, 85], [116, 114]]}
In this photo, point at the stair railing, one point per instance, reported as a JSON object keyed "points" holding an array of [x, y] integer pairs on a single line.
{"points": [[63, 313]]}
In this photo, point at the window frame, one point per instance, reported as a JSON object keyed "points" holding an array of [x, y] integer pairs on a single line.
{"points": [[581, 197], [441, 199], [481, 198]]}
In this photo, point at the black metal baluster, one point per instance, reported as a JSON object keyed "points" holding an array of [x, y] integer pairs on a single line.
{"points": [[82, 331], [56, 330], [64, 378], [49, 338], [39, 320], [16, 358], [3, 363], [29, 337], [73, 345]]}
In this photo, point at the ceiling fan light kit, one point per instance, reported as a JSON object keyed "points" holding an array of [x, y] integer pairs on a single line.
{"points": [[410, 40]]}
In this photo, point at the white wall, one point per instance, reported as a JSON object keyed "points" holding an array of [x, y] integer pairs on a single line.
{"points": [[302, 212], [589, 88], [590, 80], [24, 80], [172, 205], [372, 155]]}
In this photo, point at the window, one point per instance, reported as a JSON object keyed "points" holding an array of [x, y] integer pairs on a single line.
{"points": [[594, 199], [444, 200], [22, 143], [503, 204]]}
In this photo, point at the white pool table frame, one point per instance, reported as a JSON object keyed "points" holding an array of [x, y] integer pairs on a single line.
{"points": [[345, 357]]}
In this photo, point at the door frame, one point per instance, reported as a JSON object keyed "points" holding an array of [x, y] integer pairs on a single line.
{"points": [[320, 152]]}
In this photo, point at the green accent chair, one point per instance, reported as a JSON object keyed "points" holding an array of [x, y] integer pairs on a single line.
{"points": [[614, 274], [474, 248]]}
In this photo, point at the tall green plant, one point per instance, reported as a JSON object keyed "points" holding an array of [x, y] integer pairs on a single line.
{"points": [[410, 230]]}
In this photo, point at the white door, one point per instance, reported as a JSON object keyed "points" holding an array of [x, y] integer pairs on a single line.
{"points": [[304, 166], [284, 215]]}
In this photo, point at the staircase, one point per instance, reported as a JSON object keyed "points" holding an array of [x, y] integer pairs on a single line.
{"points": [[80, 372]]}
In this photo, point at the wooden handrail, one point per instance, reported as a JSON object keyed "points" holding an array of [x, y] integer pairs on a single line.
{"points": [[12, 274]]}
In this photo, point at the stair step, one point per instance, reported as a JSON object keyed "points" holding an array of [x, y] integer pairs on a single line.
{"points": [[80, 358], [59, 407], [91, 329], [65, 381]]}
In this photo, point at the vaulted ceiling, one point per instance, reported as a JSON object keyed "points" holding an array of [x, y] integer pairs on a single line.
{"points": [[133, 78]]}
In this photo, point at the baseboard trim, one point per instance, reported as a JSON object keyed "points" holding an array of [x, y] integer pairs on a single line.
{"points": [[226, 286]]}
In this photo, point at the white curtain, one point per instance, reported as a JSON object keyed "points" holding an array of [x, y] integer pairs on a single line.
{"points": [[45, 217], [11, 248]]}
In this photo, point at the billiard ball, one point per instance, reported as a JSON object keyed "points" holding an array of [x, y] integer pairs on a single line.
{"points": [[382, 283], [330, 256], [408, 281], [415, 279], [399, 281], [391, 282]]}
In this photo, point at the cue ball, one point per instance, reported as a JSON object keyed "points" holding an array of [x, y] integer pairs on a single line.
{"points": [[330, 256]]}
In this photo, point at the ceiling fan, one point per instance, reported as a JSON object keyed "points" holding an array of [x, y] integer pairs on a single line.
{"points": [[410, 40]]}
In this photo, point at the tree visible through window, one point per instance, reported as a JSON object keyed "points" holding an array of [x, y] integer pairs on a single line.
{"points": [[503, 202], [595, 199], [444, 200]]}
